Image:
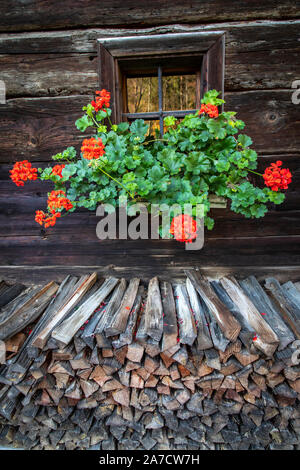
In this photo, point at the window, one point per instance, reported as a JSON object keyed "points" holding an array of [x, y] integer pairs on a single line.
{"points": [[151, 77]]}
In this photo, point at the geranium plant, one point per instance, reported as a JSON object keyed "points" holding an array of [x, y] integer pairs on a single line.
{"points": [[203, 154]]}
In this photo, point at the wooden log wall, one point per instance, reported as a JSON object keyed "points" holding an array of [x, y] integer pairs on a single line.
{"points": [[192, 365], [48, 62]]}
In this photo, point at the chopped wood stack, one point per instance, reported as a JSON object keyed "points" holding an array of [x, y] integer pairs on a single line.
{"points": [[110, 364]]}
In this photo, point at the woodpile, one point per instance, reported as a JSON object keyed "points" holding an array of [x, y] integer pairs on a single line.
{"points": [[110, 364]]}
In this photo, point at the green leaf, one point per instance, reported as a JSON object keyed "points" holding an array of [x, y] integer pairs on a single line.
{"points": [[83, 123], [244, 140]]}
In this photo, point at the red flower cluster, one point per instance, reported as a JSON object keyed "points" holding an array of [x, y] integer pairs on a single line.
{"points": [[42, 218], [277, 178], [23, 171], [102, 100], [92, 148], [184, 228], [57, 169], [58, 200], [209, 109]]}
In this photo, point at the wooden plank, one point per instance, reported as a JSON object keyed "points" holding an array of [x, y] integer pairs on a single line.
{"points": [[119, 321], [262, 302], [170, 328], [203, 335], [68, 328], [228, 324], [289, 310], [30, 310], [153, 311], [47, 17], [185, 317], [265, 340], [70, 303]]}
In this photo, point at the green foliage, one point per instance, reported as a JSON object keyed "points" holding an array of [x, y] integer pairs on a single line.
{"points": [[196, 157]]}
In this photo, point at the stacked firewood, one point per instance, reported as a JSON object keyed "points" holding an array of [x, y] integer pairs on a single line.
{"points": [[110, 364]]}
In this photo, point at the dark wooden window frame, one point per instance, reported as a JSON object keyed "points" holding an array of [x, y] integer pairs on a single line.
{"points": [[121, 57]]}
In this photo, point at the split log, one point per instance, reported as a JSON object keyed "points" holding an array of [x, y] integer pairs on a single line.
{"points": [[65, 332], [264, 305], [153, 311], [58, 316], [265, 339], [14, 318], [170, 328], [127, 336], [290, 311], [228, 324], [112, 307], [119, 321], [203, 335], [186, 320]]}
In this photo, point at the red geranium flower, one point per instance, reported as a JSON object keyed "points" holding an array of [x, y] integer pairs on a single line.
{"points": [[184, 228], [57, 169], [23, 171], [277, 178], [209, 109], [102, 100], [92, 148], [58, 200]]}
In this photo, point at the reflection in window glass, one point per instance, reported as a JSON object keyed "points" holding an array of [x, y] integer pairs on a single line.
{"points": [[142, 94], [179, 92]]}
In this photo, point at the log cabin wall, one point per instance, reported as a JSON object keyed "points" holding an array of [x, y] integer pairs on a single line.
{"points": [[48, 61]]}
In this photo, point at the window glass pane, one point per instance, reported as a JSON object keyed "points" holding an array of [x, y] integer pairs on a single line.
{"points": [[179, 92], [142, 94]]}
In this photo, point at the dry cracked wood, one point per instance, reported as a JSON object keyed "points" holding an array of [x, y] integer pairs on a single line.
{"points": [[154, 311], [170, 329], [264, 305], [228, 324], [265, 339], [186, 320], [204, 340], [290, 311], [112, 307], [69, 304], [119, 321], [30, 309], [127, 336], [65, 332]]}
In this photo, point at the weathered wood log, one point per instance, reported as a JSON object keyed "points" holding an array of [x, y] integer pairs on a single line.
{"points": [[170, 328], [228, 324], [154, 311], [247, 333], [265, 339], [70, 303], [65, 332], [264, 305], [119, 320], [29, 308], [186, 320], [290, 311], [203, 335], [10, 293], [127, 336]]}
